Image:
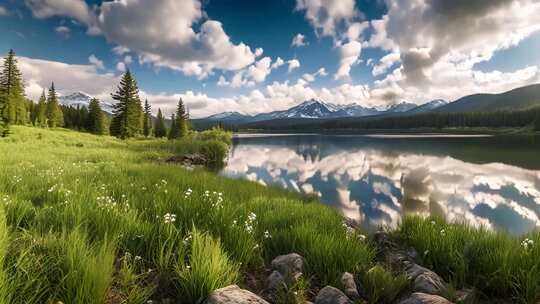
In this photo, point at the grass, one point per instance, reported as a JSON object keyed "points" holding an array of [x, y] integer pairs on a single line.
{"points": [[499, 265], [87, 219]]}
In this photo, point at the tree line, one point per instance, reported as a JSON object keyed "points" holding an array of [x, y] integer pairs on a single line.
{"points": [[129, 117]]}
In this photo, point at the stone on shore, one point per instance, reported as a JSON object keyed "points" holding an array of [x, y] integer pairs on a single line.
{"points": [[233, 295], [349, 286], [331, 295], [423, 298]]}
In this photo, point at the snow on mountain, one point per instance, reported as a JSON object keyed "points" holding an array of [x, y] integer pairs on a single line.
{"points": [[229, 116], [81, 99], [400, 107], [428, 106]]}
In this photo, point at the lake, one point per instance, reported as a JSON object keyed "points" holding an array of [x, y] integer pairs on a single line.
{"points": [[375, 180]]}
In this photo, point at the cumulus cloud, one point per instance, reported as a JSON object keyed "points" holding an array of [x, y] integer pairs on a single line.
{"points": [[170, 41], [328, 17], [299, 40], [349, 54], [96, 62], [385, 63], [311, 77], [121, 67], [293, 64], [253, 74]]}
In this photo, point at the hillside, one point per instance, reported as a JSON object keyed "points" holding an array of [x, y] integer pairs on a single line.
{"points": [[516, 99]]}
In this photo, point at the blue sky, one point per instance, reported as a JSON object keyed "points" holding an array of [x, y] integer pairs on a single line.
{"points": [[226, 55]]}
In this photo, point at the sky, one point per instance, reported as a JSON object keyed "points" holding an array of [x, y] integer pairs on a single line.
{"points": [[255, 56]]}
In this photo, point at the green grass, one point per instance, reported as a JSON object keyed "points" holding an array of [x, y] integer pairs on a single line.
{"points": [[87, 219], [499, 265]]}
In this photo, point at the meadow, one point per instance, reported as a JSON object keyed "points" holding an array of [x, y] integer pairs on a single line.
{"points": [[94, 219]]}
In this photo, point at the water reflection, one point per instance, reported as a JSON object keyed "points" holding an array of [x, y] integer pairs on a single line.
{"points": [[489, 181]]}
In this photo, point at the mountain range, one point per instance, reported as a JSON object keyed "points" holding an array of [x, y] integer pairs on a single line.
{"points": [[316, 109]]}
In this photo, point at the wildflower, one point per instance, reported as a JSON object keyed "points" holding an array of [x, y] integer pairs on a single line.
{"points": [[527, 243], [188, 239], [361, 237], [137, 258], [443, 232], [169, 218], [267, 235]]}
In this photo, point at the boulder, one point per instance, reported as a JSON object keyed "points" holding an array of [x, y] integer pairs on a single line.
{"points": [[425, 280], [289, 265], [349, 286], [233, 295], [274, 284], [422, 298], [465, 296], [331, 295]]}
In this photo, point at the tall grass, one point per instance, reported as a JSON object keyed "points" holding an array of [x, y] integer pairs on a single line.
{"points": [[498, 264]]}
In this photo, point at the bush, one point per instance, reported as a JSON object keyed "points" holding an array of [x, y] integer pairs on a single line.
{"points": [[382, 286]]}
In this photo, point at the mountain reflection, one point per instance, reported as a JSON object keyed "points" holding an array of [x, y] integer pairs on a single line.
{"points": [[484, 181]]}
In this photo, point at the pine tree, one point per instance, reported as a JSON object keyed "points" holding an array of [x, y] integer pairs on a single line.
{"points": [[181, 123], [41, 119], [96, 118], [147, 119], [173, 131], [160, 130], [12, 100], [55, 116], [127, 113]]}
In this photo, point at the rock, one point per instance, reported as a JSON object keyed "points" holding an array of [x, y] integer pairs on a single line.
{"points": [[273, 285], [349, 286], [290, 265], [188, 160], [425, 280], [422, 298], [331, 295], [233, 295], [382, 239]]}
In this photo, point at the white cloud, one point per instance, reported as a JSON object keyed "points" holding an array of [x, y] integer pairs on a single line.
{"points": [[38, 75], [63, 30], [299, 40], [349, 54], [3, 11], [128, 59], [120, 50], [311, 77], [279, 62], [385, 63], [121, 67], [258, 52], [95, 61], [328, 17], [293, 64], [168, 41], [76, 9]]}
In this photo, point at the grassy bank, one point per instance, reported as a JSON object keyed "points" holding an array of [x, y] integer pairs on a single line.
{"points": [[87, 219]]}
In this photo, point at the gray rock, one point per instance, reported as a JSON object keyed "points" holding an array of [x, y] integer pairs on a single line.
{"points": [[425, 280], [290, 265], [331, 295], [465, 296], [274, 284], [422, 298], [233, 295], [349, 286]]}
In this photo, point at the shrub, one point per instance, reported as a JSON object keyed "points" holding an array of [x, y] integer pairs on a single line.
{"points": [[382, 286]]}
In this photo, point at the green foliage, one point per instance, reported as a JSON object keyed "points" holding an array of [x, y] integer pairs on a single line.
{"points": [[498, 264], [208, 268], [173, 130], [96, 119], [41, 117], [381, 286], [160, 130], [55, 116], [179, 122], [147, 119], [13, 102], [127, 118]]}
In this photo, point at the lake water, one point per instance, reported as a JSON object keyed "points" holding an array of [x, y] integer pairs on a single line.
{"points": [[375, 180]]}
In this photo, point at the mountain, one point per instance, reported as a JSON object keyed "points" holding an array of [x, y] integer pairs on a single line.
{"points": [[428, 106], [308, 109], [401, 107], [355, 110], [81, 99], [520, 98], [229, 117]]}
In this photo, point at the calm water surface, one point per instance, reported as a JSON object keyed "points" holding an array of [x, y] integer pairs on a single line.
{"points": [[491, 181]]}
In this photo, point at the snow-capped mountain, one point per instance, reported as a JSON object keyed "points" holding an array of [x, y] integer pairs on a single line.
{"points": [[315, 109], [429, 106], [400, 107], [81, 99]]}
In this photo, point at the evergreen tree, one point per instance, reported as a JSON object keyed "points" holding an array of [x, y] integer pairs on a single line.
{"points": [[147, 119], [173, 131], [160, 130], [182, 118], [127, 113], [12, 99], [96, 120], [41, 119], [55, 116]]}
